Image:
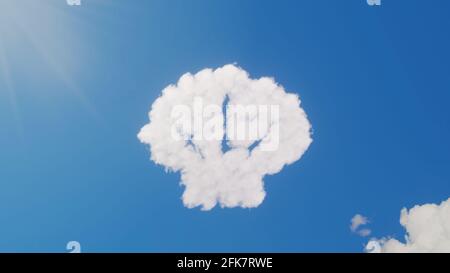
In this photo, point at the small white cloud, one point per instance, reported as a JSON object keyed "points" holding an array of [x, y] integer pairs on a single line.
{"points": [[427, 230], [356, 222], [231, 176], [364, 232]]}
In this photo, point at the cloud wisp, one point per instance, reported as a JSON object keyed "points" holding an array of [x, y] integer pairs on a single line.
{"points": [[356, 222]]}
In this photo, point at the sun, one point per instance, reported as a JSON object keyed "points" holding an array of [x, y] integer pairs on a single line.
{"points": [[45, 30]]}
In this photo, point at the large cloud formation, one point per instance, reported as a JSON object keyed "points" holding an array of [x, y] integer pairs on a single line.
{"points": [[226, 171], [427, 230]]}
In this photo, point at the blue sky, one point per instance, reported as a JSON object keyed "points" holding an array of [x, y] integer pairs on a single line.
{"points": [[76, 84]]}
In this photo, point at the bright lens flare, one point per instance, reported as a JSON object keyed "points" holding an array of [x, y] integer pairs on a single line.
{"points": [[45, 31]]}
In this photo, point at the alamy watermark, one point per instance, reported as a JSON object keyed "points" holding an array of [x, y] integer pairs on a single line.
{"points": [[73, 2], [244, 123], [374, 2], [78, 2], [373, 246], [73, 247]]}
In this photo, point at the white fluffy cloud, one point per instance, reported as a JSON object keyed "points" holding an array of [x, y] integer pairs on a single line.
{"points": [[213, 175], [356, 222], [427, 230]]}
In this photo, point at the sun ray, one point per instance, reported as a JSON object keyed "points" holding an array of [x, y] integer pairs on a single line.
{"points": [[6, 75], [20, 19]]}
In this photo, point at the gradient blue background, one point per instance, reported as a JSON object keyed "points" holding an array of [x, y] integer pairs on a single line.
{"points": [[374, 82]]}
